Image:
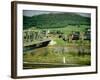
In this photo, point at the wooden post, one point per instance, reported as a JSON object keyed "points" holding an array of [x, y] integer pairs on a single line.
{"points": [[64, 60]]}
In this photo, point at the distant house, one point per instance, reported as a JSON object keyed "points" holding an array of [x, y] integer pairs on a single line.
{"points": [[75, 35]]}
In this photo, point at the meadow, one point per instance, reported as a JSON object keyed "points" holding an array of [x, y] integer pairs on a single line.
{"points": [[62, 53]]}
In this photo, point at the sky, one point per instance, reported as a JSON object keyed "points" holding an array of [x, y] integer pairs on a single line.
{"points": [[31, 13]]}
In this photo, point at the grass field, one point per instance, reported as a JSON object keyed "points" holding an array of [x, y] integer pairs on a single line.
{"points": [[61, 54], [46, 56]]}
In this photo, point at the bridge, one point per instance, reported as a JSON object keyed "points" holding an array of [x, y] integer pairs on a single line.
{"points": [[35, 39]]}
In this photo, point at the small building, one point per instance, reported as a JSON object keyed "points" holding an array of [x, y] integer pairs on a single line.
{"points": [[75, 35]]}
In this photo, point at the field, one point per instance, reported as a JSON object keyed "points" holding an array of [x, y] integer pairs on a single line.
{"points": [[61, 51]]}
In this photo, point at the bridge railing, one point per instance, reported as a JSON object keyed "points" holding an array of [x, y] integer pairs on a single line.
{"points": [[33, 35]]}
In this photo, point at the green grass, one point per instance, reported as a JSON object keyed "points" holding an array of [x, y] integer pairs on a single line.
{"points": [[48, 55], [59, 42], [57, 58], [56, 61], [67, 29]]}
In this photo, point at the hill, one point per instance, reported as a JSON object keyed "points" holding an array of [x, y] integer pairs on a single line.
{"points": [[56, 20]]}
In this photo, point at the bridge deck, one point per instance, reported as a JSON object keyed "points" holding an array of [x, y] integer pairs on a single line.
{"points": [[35, 42]]}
